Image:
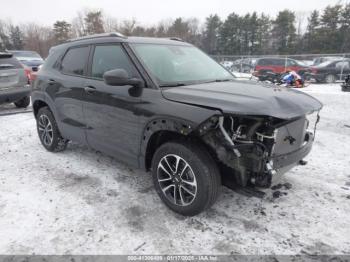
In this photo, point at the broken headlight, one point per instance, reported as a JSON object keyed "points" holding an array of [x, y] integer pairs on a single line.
{"points": [[311, 121]]}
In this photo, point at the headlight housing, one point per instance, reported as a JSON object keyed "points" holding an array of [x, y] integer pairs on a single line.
{"points": [[312, 120]]}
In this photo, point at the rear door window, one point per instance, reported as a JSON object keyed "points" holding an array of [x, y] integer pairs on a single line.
{"points": [[109, 57], [75, 61], [264, 62], [280, 62]]}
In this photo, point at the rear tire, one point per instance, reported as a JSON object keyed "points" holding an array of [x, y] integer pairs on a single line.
{"points": [[329, 79], [23, 103], [49, 135], [191, 187]]}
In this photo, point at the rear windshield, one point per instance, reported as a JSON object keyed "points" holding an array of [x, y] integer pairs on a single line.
{"points": [[28, 54], [9, 63]]}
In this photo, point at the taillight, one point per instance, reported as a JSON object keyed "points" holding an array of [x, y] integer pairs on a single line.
{"points": [[33, 76], [28, 74]]}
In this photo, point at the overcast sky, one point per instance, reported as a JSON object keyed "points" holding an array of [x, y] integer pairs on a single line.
{"points": [[148, 12]]}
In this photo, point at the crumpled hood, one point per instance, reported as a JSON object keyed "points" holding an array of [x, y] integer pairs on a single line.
{"points": [[246, 98]]}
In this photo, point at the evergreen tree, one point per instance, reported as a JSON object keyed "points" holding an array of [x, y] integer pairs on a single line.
{"points": [[5, 42], [253, 38], [312, 32], [230, 35], [16, 37], [211, 34], [345, 29], [263, 35], [94, 22], [329, 32], [179, 28], [62, 31], [284, 32]]}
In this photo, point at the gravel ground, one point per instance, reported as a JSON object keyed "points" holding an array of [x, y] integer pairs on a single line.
{"points": [[82, 202]]}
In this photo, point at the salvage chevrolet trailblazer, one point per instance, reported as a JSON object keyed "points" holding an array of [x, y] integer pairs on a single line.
{"points": [[165, 106]]}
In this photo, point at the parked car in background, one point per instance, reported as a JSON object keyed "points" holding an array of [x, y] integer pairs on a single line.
{"points": [[320, 60], [14, 81], [245, 65], [331, 71], [346, 85], [264, 66], [165, 106], [30, 59], [307, 62], [227, 64]]}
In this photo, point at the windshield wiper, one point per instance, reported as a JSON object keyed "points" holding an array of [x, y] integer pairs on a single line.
{"points": [[172, 85], [218, 80]]}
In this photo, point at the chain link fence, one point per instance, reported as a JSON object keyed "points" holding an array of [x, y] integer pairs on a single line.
{"points": [[322, 67]]}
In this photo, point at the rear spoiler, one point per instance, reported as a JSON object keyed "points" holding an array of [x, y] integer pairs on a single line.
{"points": [[5, 55]]}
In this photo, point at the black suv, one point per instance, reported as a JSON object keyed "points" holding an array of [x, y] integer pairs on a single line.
{"points": [[165, 106]]}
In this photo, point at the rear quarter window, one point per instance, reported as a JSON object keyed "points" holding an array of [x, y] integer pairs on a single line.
{"points": [[75, 60]]}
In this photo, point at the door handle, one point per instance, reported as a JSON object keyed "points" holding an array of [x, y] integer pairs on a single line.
{"points": [[89, 89], [51, 81]]}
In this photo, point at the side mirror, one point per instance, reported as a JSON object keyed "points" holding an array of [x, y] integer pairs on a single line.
{"points": [[119, 77]]}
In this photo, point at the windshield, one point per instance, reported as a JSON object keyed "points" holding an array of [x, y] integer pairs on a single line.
{"points": [[180, 65], [26, 54]]}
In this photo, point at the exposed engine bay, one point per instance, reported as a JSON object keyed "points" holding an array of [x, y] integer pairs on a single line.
{"points": [[254, 149]]}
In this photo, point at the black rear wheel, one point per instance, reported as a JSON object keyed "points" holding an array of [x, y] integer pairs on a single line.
{"points": [[49, 135], [185, 177], [23, 103], [330, 79]]}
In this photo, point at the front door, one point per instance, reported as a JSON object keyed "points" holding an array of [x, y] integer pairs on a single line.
{"points": [[111, 115]]}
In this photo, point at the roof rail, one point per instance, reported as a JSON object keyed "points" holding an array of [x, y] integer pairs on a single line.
{"points": [[111, 34], [176, 39]]}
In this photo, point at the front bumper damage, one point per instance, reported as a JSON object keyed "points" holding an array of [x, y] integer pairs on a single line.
{"points": [[284, 160], [255, 150]]}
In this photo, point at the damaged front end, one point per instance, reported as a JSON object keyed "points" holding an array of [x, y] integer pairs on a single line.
{"points": [[255, 149]]}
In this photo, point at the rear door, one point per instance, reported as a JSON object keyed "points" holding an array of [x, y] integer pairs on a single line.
{"points": [[66, 89], [12, 73], [280, 65]]}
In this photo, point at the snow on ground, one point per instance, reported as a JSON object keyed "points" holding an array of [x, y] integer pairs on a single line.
{"points": [[82, 202]]}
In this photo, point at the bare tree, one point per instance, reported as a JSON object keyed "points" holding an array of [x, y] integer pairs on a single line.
{"points": [[78, 25], [94, 22], [38, 38], [111, 24], [128, 26]]}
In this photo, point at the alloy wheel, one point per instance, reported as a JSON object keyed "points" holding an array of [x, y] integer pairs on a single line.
{"points": [[177, 180], [45, 130], [330, 79]]}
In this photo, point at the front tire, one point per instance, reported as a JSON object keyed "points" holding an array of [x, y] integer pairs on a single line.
{"points": [[23, 103], [185, 177], [49, 135]]}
